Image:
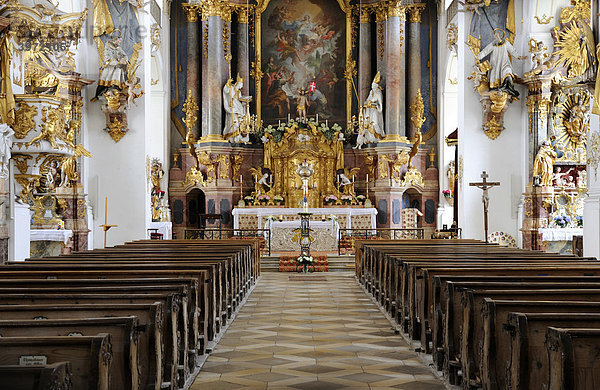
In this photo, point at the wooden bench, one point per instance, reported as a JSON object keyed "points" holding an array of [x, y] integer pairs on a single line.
{"points": [[529, 364], [56, 376], [573, 356], [150, 318], [125, 371], [90, 356]]}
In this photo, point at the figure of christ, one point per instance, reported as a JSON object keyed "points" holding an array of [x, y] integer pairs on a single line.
{"points": [[303, 104]]}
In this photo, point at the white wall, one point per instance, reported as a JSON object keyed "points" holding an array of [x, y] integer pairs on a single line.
{"points": [[502, 158], [117, 170]]}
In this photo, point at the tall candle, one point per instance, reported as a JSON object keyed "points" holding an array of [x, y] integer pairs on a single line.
{"points": [[317, 119], [326, 125], [367, 177], [241, 179]]}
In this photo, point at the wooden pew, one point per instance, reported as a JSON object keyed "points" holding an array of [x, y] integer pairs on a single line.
{"points": [[529, 365], [124, 370], [55, 376], [149, 316], [173, 370], [472, 322], [90, 356], [573, 357]]}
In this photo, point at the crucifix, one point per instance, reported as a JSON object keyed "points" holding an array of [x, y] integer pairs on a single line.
{"points": [[106, 226], [485, 186]]}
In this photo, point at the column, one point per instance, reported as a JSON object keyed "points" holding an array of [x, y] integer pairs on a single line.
{"points": [[395, 93], [243, 44], [538, 103], [381, 21], [218, 38], [414, 57], [193, 51], [365, 75], [204, 64]]}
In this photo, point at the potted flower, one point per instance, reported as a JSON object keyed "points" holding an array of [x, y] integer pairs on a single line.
{"points": [[304, 260], [360, 199], [264, 199], [562, 221], [346, 199], [278, 199], [248, 199], [448, 196], [330, 199], [579, 220]]}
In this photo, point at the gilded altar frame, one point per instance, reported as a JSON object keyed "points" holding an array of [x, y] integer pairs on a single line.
{"points": [[257, 71]]}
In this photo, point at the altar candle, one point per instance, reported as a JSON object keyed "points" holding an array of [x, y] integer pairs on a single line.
{"points": [[326, 125], [352, 178], [367, 177], [289, 117], [241, 179], [279, 123], [317, 119]]}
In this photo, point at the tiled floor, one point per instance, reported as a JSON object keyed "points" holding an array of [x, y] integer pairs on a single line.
{"points": [[316, 331]]}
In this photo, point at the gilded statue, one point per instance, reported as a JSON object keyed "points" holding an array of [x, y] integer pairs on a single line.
{"points": [[156, 174], [577, 122], [113, 66], [539, 58], [53, 126], [339, 150], [543, 164], [501, 75], [68, 168], [268, 144], [236, 164]]}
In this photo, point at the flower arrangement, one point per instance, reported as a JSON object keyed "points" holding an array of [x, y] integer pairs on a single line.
{"points": [[360, 198], [579, 220], [447, 194], [346, 199], [278, 199], [562, 221], [248, 199], [305, 259], [264, 198], [330, 199]]}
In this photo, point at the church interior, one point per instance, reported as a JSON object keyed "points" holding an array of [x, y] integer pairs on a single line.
{"points": [[303, 194]]}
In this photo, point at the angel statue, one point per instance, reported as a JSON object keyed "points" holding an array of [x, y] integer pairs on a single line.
{"points": [[347, 185], [68, 168], [234, 108], [543, 163], [374, 107], [260, 181], [501, 73]]}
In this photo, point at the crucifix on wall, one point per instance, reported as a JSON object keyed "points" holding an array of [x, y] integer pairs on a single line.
{"points": [[485, 186]]}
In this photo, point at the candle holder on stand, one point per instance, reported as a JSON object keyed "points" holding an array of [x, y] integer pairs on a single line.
{"points": [[305, 171]]}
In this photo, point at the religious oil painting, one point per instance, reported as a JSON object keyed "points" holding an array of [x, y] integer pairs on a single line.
{"points": [[303, 53]]}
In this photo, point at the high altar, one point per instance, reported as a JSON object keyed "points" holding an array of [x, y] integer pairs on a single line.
{"points": [[303, 81]]}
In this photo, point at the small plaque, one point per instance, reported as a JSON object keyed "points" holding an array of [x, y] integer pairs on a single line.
{"points": [[33, 360]]}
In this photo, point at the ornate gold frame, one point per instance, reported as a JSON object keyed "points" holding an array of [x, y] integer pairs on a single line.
{"points": [[260, 8]]}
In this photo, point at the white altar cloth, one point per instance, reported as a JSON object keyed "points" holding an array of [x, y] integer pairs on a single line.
{"points": [[262, 212], [324, 233], [50, 235], [164, 228], [560, 234]]}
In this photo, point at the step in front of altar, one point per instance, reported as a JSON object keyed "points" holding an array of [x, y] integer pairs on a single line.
{"points": [[335, 263]]}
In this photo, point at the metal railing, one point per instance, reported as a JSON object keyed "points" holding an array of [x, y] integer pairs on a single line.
{"points": [[347, 236], [264, 236]]}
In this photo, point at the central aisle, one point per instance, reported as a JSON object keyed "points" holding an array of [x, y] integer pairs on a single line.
{"points": [[316, 331]]}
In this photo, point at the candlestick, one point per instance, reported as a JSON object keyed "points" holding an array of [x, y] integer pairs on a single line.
{"points": [[317, 119], [279, 123], [289, 117], [326, 123], [242, 179], [367, 179]]}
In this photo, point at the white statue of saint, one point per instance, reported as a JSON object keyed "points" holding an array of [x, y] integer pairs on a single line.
{"points": [[374, 106], [501, 74], [6, 141], [234, 108]]}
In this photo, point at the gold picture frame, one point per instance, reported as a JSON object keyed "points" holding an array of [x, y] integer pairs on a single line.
{"points": [[257, 72]]}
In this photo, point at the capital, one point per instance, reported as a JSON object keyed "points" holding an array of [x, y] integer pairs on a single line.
{"points": [[415, 11], [243, 13], [397, 9], [381, 13], [364, 17], [191, 11], [219, 8]]}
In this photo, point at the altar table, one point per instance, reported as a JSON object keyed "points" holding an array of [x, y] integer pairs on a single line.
{"points": [[324, 233]]}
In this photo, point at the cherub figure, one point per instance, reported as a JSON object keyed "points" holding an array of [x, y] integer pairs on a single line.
{"points": [[538, 58]]}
